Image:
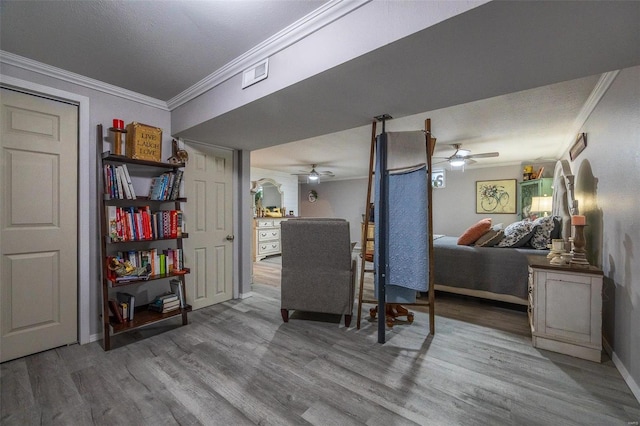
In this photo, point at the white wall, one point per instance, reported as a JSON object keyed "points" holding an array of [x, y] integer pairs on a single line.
{"points": [[607, 184]]}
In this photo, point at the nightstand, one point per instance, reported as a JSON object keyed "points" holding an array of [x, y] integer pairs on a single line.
{"points": [[565, 308]]}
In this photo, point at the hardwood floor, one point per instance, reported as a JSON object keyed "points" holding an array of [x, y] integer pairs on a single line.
{"points": [[237, 363]]}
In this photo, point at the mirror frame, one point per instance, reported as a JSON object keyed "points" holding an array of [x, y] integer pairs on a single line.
{"points": [[259, 183]]}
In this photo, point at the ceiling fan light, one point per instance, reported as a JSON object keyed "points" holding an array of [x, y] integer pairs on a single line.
{"points": [[457, 162], [313, 177]]}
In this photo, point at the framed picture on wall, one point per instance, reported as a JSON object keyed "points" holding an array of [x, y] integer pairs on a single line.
{"points": [[579, 146], [496, 196]]}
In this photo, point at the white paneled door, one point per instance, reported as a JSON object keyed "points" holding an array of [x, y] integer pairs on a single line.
{"points": [[38, 224], [208, 212]]}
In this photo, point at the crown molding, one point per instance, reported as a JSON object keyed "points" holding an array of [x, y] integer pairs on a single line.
{"points": [[319, 18], [590, 104], [307, 25], [593, 100], [60, 74]]}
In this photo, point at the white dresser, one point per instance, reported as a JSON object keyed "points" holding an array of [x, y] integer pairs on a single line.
{"points": [[266, 241], [565, 308]]}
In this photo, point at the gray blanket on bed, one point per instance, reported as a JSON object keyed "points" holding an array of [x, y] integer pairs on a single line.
{"points": [[494, 269]]}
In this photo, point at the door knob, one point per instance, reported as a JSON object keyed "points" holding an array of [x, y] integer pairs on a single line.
{"points": [[230, 237]]}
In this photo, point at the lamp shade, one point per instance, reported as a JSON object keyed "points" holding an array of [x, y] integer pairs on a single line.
{"points": [[541, 204]]}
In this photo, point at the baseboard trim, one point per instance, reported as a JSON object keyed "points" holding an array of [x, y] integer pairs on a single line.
{"points": [[635, 389], [245, 295]]}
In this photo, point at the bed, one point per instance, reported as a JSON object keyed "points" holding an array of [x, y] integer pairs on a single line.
{"points": [[489, 272], [493, 272]]}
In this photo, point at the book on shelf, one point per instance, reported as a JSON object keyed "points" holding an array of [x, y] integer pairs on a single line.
{"points": [[140, 223], [127, 178], [115, 309], [122, 180], [124, 306], [165, 303], [125, 278], [176, 288], [112, 223], [129, 299], [166, 307], [166, 186], [175, 191]]}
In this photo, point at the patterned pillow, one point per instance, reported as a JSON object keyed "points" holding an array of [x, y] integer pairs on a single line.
{"points": [[541, 238], [490, 239], [474, 232], [517, 234]]}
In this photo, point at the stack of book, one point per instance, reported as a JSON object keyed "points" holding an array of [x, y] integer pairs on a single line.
{"points": [[165, 303]]}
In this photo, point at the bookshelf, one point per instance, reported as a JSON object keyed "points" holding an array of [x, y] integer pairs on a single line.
{"points": [[134, 232]]}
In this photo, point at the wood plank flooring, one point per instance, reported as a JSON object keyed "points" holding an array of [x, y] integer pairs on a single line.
{"points": [[237, 363]]}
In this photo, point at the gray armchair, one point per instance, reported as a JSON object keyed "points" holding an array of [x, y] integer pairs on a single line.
{"points": [[318, 273]]}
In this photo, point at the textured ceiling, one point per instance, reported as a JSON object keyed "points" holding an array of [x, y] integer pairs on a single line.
{"points": [[533, 124], [489, 78], [156, 48]]}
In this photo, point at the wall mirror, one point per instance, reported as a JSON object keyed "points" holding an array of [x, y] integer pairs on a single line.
{"points": [[267, 194]]}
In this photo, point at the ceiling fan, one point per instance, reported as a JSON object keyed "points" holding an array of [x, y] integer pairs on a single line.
{"points": [[313, 175], [462, 157]]}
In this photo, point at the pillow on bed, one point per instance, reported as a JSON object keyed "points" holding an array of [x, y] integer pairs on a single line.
{"points": [[541, 237], [490, 239], [517, 234], [474, 232]]}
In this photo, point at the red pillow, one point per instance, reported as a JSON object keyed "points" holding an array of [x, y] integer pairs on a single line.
{"points": [[474, 232]]}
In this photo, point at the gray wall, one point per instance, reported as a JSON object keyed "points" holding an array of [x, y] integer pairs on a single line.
{"points": [[607, 185], [103, 109], [344, 199], [454, 206]]}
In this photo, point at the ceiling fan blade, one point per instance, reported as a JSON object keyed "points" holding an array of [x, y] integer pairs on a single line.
{"points": [[301, 174], [484, 155], [325, 173]]}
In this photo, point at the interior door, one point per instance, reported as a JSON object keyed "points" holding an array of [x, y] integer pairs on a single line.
{"points": [[38, 224], [209, 249]]}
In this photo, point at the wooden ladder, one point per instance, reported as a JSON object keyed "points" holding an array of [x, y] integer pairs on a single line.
{"points": [[365, 240]]}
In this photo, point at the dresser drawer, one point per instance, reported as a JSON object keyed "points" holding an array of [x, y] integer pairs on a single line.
{"points": [[269, 247], [268, 234], [264, 223]]}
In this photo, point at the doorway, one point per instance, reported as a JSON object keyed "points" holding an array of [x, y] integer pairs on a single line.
{"points": [[209, 216]]}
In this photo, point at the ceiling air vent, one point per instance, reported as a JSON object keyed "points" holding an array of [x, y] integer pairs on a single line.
{"points": [[256, 73]]}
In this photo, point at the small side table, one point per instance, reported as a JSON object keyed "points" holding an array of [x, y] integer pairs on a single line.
{"points": [[565, 308]]}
